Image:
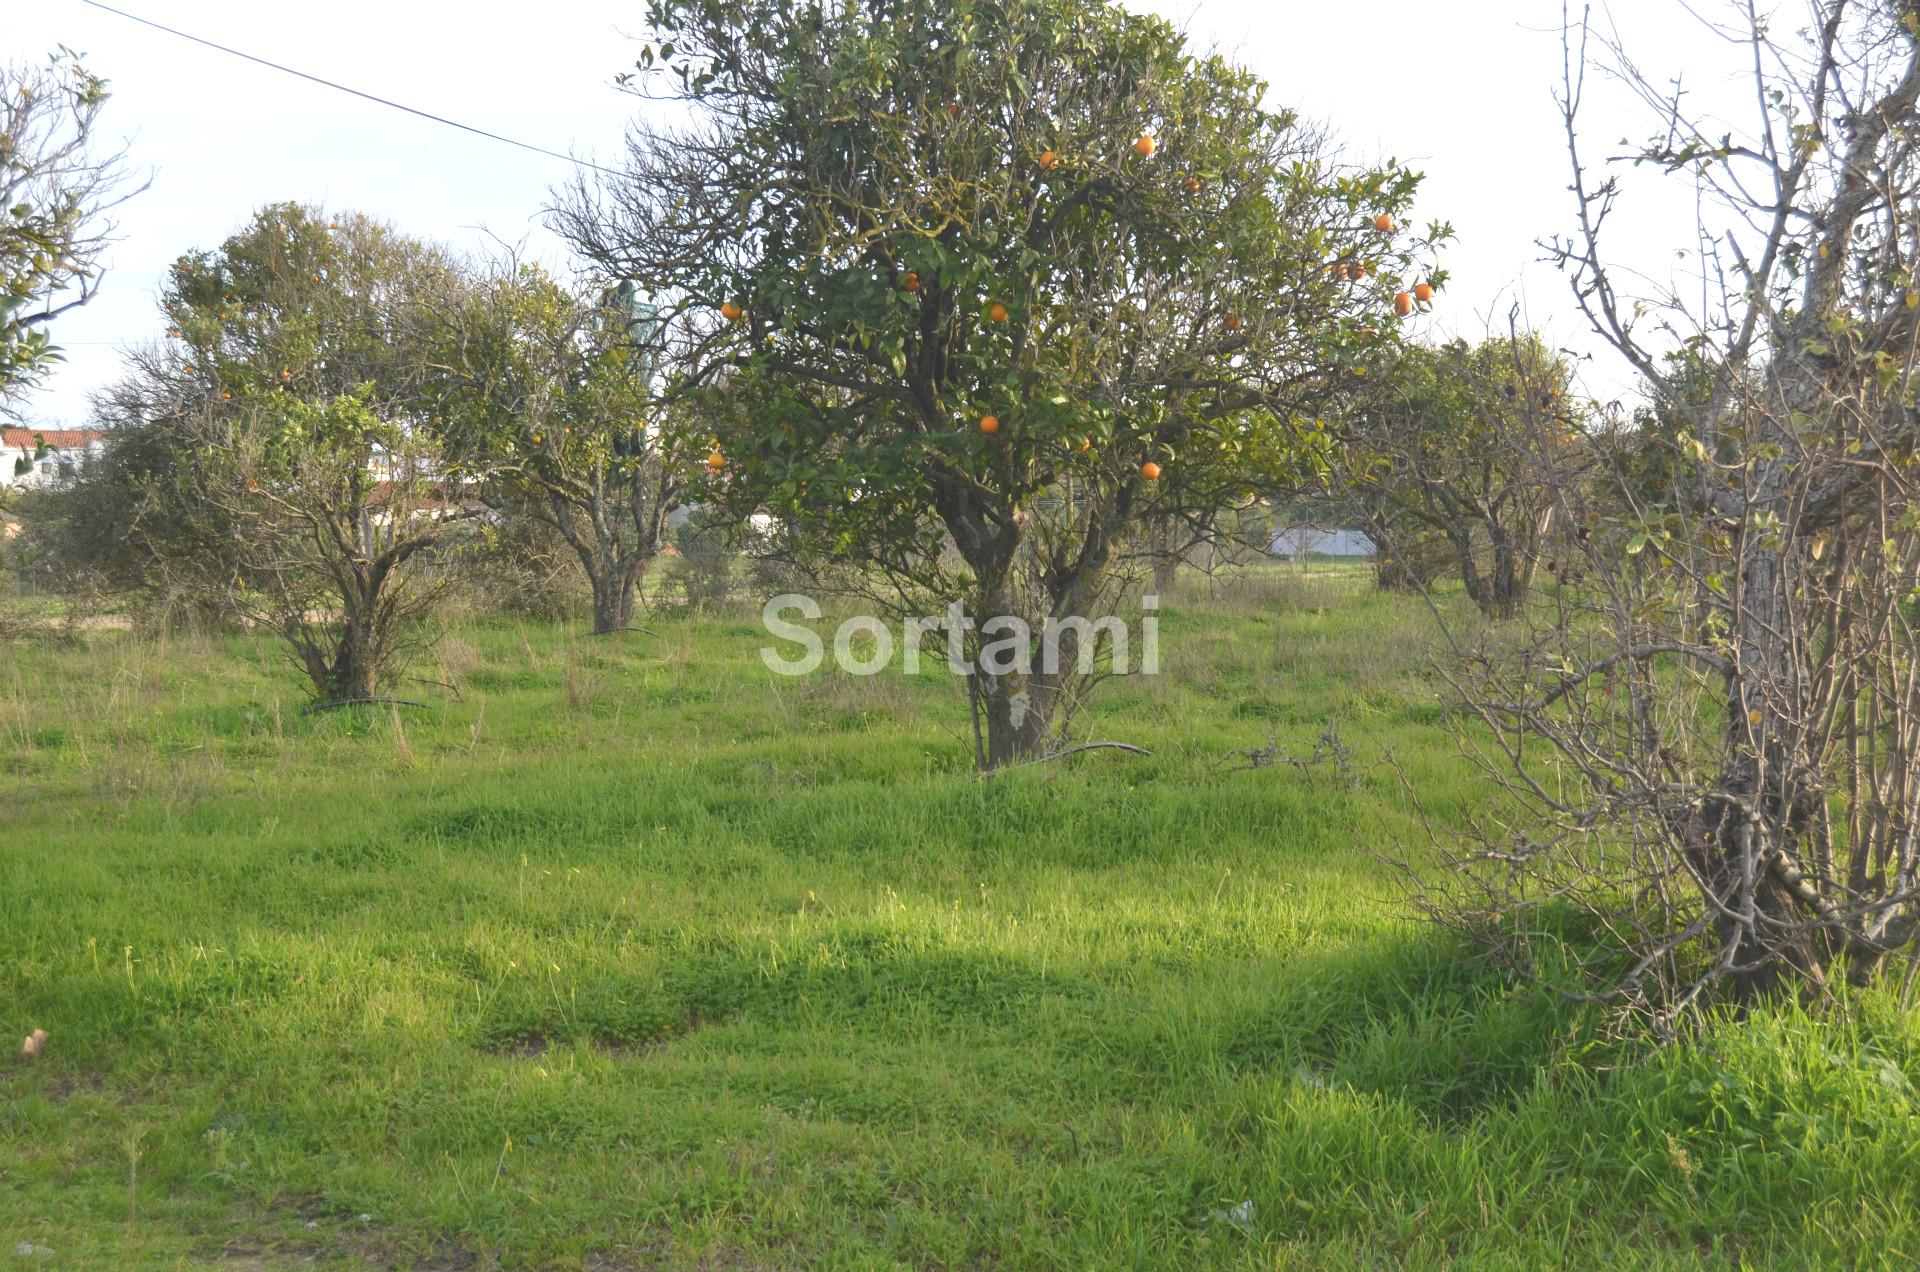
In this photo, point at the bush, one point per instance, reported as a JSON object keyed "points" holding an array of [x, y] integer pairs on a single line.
{"points": [[708, 544], [519, 565]]}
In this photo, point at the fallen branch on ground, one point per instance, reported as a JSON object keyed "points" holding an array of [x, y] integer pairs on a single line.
{"points": [[310, 708], [1072, 750]]}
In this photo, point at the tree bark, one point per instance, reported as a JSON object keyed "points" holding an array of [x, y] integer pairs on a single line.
{"points": [[1165, 570], [1018, 714], [613, 593]]}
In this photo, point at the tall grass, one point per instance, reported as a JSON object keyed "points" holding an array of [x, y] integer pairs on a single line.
{"points": [[631, 954]]}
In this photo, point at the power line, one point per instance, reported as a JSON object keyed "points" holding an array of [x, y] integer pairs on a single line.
{"points": [[288, 70]]}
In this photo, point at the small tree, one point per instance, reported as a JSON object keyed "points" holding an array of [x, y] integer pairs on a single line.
{"points": [[57, 190], [1716, 743], [990, 287], [1438, 445], [293, 379], [548, 397]]}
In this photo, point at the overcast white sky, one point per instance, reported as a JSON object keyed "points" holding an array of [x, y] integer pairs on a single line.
{"points": [[1459, 88]]}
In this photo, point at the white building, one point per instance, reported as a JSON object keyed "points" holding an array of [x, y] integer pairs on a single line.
{"points": [[35, 458], [1297, 542]]}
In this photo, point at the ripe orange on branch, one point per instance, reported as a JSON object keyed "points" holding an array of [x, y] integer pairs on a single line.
{"points": [[1048, 159], [1383, 223], [1232, 322], [1402, 304], [1423, 292], [1150, 470], [989, 424], [1146, 145], [716, 461], [912, 282], [732, 312], [998, 313]]}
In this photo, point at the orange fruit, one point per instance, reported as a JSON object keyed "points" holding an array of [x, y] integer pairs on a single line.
{"points": [[1233, 322], [998, 312], [716, 461], [1048, 159], [1357, 271], [1402, 304], [732, 312], [1146, 145], [1086, 443], [912, 282], [989, 424], [1423, 292], [1383, 223], [1150, 470]]}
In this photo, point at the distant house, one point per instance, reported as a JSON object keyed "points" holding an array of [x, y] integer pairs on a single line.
{"points": [[1296, 542], [36, 458]]}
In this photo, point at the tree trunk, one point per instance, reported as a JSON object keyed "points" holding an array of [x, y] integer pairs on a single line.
{"points": [[1017, 715], [1771, 792], [1763, 698], [613, 600], [1165, 569], [1390, 574], [1160, 539], [1505, 590], [355, 670], [1470, 576]]}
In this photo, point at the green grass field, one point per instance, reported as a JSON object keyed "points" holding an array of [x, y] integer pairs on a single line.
{"points": [[634, 955]]}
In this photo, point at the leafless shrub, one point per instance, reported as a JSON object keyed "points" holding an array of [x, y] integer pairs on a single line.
{"points": [[1708, 733], [1329, 752]]}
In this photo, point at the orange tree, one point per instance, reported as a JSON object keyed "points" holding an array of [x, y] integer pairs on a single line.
{"points": [[974, 291]]}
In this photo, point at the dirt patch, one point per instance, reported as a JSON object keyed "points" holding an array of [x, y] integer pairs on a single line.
{"points": [[531, 1046], [65, 1086], [353, 1246]]}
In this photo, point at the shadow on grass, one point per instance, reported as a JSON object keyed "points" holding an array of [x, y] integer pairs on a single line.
{"points": [[860, 977], [1417, 1021]]}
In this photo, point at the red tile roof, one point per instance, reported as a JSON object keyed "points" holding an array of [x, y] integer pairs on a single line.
{"points": [[55, 438]]}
